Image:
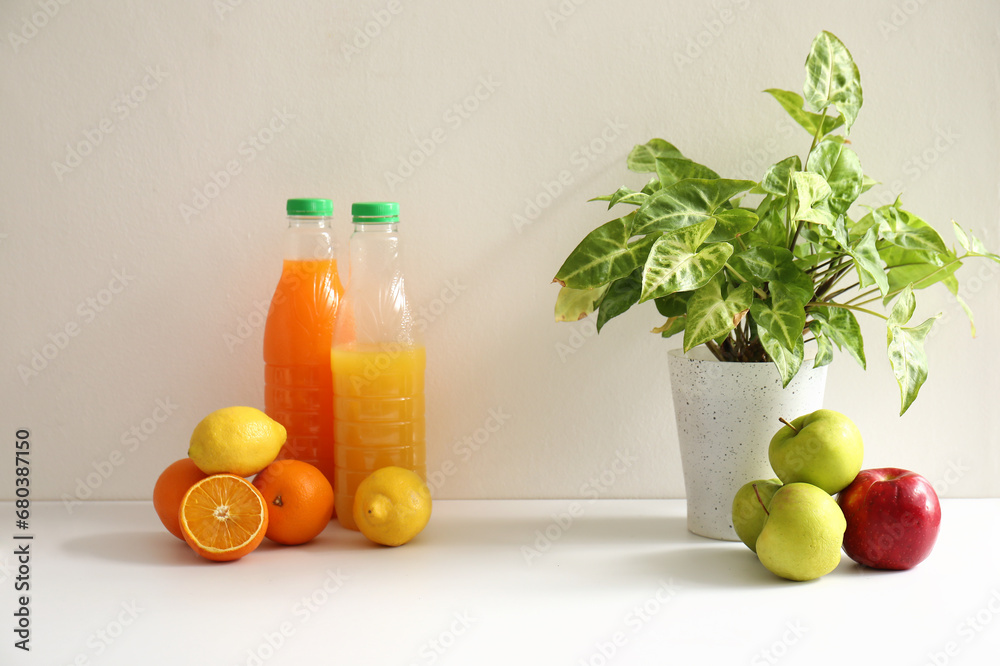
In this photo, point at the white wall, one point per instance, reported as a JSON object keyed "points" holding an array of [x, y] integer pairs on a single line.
{"points": [[199, 83]]}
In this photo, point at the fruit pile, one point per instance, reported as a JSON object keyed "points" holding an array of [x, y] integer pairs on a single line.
{"points": [[884, 518], [206, 499]]}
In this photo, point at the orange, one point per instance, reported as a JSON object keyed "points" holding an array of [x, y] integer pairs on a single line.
{"points": [[299, 501], [223, 517], [169, 490]]}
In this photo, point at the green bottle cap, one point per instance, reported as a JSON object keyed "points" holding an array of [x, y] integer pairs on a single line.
{"points": [[309, 207], [376, 212]]}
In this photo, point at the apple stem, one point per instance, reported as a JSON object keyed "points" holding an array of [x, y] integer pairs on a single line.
{"points": [[782, 419], [759, 500]]}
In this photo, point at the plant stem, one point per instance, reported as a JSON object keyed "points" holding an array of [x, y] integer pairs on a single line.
{"points": [[815, 269], [864, 294], [826, 304], [714, 348], [757, 291]]}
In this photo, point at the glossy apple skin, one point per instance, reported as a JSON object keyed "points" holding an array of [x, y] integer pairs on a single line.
{"points": [[893, 516]]}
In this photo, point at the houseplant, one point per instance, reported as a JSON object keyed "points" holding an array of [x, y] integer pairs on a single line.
{"points": [[755, 271]]}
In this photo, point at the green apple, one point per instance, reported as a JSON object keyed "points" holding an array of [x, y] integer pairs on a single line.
{"points": [[823, 448], [802, 534], [750, 509]]}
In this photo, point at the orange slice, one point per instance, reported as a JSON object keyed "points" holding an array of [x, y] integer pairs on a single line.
{"points": [[223, 517]]}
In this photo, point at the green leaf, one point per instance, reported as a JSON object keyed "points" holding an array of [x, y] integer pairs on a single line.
{"points": [[732, 222], [778, 178], [871, 268], [963, 238], [841, 169], [811, 189], [841, 327], [672, 169], [968, 313], [772, 264], [833, 78], [904, 229], [770, 229], [903, 308], [782, 316], [575, 304], [685, 203], [711, 315], [621, 295], [604, 255], [916, 267], [908, 359], [643, 157], [824, 347], [793, 104], [676, 264], [673, 305], [623, 195], [973, 245], [787, 362]]}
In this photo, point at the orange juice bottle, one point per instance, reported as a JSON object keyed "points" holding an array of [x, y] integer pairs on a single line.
{"points": [[378, 362], [298, 385]]}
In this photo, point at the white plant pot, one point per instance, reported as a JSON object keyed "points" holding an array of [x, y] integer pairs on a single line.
{"points": [[726, 415]]}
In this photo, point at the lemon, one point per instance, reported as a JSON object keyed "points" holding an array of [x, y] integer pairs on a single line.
{"points": [[236, 440], [392, 505]]}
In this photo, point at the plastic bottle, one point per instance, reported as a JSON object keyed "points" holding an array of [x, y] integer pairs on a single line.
{"points": [[298, 386], [378, 362]]}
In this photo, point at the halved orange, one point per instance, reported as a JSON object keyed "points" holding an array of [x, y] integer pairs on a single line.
{"points": [[223, 517]]}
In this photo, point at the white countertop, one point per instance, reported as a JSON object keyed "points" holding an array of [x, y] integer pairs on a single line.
{"points": [[489, 582]]}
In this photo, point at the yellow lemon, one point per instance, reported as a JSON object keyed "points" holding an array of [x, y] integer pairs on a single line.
{"points": [[236, 440], [392, 505]]}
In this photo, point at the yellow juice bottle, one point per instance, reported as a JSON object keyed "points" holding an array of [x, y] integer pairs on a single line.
{"points": [[378, 364]]}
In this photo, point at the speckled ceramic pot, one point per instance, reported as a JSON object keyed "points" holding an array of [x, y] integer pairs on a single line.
{"points": [[726, 415]]}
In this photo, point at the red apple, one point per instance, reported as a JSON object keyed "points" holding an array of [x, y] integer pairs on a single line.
{"points": [[893, 517]]}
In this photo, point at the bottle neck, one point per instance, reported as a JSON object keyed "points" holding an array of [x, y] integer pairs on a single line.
{"points": [[375, 309], [376, 228], [310, 238], [310, 222]]}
